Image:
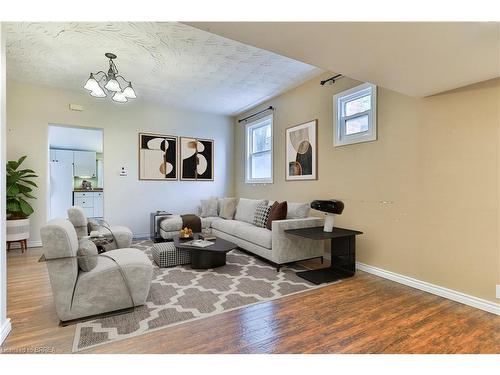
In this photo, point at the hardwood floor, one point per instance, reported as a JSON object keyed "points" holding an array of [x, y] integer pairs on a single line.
{"points": [[365, 314]]}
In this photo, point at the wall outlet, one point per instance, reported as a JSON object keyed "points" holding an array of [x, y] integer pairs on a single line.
{"points": [[123, 172]]}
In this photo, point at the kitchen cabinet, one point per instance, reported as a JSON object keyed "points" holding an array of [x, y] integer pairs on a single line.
{"points": [[84, 163], [91, 202], [61, 156]]}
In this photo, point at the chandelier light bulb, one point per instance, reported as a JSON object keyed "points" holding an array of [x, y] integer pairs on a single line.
{"points": [[112, 84], [119, 97], [129, 92], [92, 84]]}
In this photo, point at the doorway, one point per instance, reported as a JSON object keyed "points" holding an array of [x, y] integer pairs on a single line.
{"points": [[76, 167]]}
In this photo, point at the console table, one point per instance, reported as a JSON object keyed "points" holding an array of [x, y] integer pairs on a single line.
{"points": [[343, 253]]}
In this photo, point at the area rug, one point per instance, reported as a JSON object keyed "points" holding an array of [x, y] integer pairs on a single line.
{"points": [[182, 294]]}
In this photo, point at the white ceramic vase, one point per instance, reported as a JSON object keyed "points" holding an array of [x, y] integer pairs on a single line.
{"points": [[18, 230]]}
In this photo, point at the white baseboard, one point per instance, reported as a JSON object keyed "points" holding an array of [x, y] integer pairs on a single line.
{"points": [[17, 245], [466, 299], [141, 236], [6, 327], [498, 291]]}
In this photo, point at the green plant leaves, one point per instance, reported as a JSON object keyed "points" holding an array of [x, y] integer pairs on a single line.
{"points": [[18, 188]]}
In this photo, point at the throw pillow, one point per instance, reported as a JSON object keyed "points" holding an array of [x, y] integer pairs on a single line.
{"points": [[208, 207], [245, 211], [228, 208], [87, 255], [261, 215], [298, 210], [278, 212]]}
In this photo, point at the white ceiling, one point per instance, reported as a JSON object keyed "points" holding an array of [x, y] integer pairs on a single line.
{"points": [[69, 138], [171, 63], [417, 59]]}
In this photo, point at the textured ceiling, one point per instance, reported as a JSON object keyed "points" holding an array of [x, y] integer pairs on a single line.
{"points": [[414, 58], [171, 63]]}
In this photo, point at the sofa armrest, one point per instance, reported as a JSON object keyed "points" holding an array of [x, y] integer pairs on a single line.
{"points": [[289, 248]]}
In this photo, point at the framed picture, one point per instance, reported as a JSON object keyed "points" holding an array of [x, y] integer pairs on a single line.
{"points": [[301, 151], [197, 159], [157, 157]]}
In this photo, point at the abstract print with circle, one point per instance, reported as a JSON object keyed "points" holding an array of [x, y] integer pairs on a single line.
{"points": [[157, 157]]}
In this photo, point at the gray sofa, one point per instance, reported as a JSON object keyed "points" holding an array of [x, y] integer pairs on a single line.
{"points": [[80, 294], [274, 245]]}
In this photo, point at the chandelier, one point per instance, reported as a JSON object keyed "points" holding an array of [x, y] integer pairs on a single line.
{"points": [[110, 82]]}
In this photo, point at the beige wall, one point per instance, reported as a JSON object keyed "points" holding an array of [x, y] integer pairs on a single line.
{"points": [[127, 200], [425, 194]]}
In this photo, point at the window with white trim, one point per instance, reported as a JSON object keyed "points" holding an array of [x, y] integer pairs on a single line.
{"points": [[259, 151], [355, 115]]}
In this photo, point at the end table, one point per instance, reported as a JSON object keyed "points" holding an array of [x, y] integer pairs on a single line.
{"points": [[343, 253], [154, 219]]}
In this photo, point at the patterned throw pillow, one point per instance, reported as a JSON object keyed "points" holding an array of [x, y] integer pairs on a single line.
{"points": [[261, 215]]}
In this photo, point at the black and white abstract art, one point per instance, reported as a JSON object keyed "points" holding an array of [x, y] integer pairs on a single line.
{"points": [[197, 159], [157, 157], [301, 151]]}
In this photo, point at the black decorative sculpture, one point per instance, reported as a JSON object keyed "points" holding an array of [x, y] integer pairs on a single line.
{"points": [[330, 207]]}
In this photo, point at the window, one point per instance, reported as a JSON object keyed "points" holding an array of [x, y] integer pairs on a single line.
{"points": [[355, 115], [259, 151]]}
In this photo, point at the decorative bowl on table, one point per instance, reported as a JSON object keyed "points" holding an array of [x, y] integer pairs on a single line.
{"points": [[186, 233]]}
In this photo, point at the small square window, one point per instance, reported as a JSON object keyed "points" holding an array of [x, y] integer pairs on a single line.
{"points": [[355, 115]]}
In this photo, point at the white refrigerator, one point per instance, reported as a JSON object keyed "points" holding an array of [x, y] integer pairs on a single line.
{"points": [[61, 189]]}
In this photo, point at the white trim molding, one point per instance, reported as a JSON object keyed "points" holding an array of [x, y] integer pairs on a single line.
{"points": [[498, 291], [453, 295], [6, 327]]}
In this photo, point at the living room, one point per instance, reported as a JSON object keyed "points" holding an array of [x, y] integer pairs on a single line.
{"points": [[292, 197]]}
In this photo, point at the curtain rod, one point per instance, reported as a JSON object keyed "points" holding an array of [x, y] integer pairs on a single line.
{"points": [[270, 108], [332, 79]]}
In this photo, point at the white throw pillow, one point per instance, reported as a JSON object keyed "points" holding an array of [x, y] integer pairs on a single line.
{"points": [[209, 207], [297, 210], [245, 211], [227, 207]]}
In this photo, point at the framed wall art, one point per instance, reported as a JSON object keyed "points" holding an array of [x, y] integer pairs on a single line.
{"points": [[301, 151], [197, 159], [157, 157]]}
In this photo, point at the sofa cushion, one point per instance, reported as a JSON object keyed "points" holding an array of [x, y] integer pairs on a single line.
{"points": [[209, 207], [245, 231], [227, 207], [173, 223], [258, 236], [87, 255], [245, 211], [278, 212], [227, 226], [298, 210]]}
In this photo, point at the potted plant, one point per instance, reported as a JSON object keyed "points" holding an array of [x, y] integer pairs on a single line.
{"points": [[19, 188]]}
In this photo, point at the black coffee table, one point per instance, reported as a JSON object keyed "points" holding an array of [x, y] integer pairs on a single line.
{"points": [[343, 253], [206, 257]]}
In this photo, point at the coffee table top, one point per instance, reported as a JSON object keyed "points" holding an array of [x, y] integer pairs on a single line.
{"points": [[219, 245]]}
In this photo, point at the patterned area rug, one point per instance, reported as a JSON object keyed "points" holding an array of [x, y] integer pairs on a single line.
{"points": [[182, 294]]}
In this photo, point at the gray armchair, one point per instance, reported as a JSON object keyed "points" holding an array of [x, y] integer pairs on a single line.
{"points": [[121, 278], [121, 235]]}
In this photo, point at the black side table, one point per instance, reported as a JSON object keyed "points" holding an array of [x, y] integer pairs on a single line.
{"points": [[343, 253], [154, 220]]}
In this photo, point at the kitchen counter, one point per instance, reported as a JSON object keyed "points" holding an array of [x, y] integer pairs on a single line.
{"points": [[89, 190]]}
